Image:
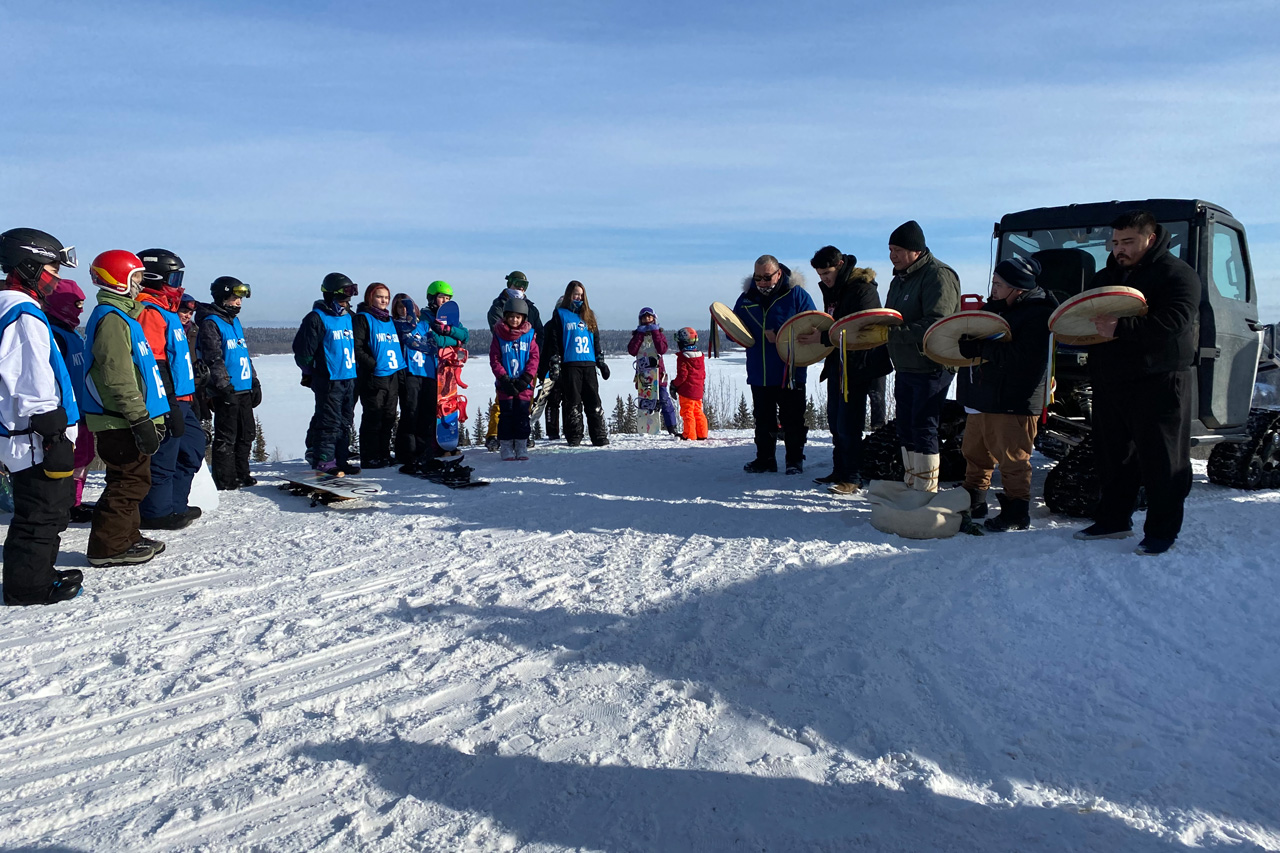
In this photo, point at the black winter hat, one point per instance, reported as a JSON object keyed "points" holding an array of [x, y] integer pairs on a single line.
{"points": [[908, 236], [1020, 273]]}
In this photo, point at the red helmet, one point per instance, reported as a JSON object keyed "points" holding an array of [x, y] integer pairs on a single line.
{"points": [[112, 270]]}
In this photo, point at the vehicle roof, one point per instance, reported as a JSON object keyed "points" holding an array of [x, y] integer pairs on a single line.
{"points": [[1103, 212]]}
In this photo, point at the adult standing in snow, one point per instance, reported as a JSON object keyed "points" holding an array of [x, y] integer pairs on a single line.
{"points": [[232, 389], [771, 296], [1004, 395], [174, 465], [923, 291], [517, 283], [38, 416], [324, 348], [574, 355], [846, 289], [1142, 386], [126, 404], [379, 366], [63, 308]]}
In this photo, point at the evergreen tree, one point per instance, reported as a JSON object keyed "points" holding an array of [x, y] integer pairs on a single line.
{"points": [[536, 435], [482, 424], [619, 415], [743, 419], [631, 420], [810, 414], [259, 442]]}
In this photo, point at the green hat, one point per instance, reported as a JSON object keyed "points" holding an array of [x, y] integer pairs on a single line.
{"points": [[438, 287], [517, 279]]}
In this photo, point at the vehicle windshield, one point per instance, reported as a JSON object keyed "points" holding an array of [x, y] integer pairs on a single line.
{"points": [[1094, 239]]}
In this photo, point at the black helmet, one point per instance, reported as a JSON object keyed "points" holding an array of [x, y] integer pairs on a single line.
{"points": [[516, 306], [336, 284], [228, 287], [162, 268], [26, 250]]}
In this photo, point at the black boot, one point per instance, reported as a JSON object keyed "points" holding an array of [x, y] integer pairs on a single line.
{"points": [[978, 502], [1014, 514]]}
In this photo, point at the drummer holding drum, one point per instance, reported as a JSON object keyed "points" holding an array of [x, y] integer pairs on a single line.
{"points": [[771, 296]]}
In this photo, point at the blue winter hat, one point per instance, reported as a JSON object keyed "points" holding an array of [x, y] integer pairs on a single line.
{"points": [[1019, 273]]}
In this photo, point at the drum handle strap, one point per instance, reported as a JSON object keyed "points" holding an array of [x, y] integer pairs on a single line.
{"points": [[1048, 382], [713, 339], [844, 368]]}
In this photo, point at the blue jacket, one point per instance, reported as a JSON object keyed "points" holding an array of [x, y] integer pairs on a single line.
{"points": [[758, 313]]}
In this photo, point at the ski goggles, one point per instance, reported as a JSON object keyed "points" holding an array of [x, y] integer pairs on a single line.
{"points": [[173, 280], [348, 290], [67, 257], [242, 290]]}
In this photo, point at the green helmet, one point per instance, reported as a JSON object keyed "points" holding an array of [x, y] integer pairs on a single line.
{"points": [[438, 287]]}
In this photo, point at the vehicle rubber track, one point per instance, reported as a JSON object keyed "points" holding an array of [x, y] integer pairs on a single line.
{"points": [[1072, 488], [882, 457], [1251, 464]]}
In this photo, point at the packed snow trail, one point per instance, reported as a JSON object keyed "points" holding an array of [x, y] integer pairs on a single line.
{"points": [[643, 648]]}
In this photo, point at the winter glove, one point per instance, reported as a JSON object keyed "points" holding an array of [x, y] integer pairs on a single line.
{"points": [[255, 394], [506, 386], [553, 373], [305, 382], [174, 424], [970, 347], [145, 435], [521, 384], [59, 452], [604, 370], [201, 371]]}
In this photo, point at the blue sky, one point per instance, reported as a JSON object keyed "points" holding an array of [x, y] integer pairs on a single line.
{"points": [[650, 150]]}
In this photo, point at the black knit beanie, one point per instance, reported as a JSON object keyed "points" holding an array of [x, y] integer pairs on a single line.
{"points": [[908, 236]]}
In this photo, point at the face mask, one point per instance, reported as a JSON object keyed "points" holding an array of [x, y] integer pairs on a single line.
{"points": [[577, 304], [231, 310]]}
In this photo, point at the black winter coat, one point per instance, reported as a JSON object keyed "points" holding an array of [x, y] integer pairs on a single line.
{"points": [[1162, 341], [209, 351], [535, 318], [854, 290], [308, 343], [553, 335], [1011, 381]]}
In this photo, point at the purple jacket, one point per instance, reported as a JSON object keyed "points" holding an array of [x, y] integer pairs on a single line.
{"points": [[506, 333], [659, 343]]}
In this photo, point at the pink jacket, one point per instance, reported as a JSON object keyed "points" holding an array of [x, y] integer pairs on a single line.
{"points": [[503, 332]]}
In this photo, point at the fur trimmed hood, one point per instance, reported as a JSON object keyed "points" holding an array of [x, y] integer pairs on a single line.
{"points": [[789, 278]]}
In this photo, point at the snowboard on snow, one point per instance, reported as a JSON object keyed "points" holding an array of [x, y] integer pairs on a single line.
{"points": [[328, 489], [451, 406], [648, 395]]}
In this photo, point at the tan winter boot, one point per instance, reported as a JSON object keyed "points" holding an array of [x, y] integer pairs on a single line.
{"points": [[909, 467]]}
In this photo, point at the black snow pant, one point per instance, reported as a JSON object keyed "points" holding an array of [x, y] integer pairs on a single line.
{"points": [[846, 421], [513, 419], [1142, 437], [378, 398], [407, 431], [876, 399], [233, 434], [40, 507], [774, 404], [582, 392], [329, 435], [554, 401]]}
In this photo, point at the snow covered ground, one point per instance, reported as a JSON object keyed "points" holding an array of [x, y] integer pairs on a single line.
{"points": [[642, 648]]}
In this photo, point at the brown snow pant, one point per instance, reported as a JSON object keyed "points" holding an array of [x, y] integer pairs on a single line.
{"points": [[1005, 441], [116, 518]]}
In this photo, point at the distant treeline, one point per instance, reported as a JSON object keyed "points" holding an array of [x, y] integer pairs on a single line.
{"points": [[268, 341]]}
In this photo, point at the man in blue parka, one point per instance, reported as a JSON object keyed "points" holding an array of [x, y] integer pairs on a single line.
{"points": [[771, 297]]}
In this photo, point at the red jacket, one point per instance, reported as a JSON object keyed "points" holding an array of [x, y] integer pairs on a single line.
{"points": [[691, 375]]}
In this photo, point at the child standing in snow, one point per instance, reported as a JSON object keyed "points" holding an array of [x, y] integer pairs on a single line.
{"points": [[513, 355], [649, 326], [691, 379]]}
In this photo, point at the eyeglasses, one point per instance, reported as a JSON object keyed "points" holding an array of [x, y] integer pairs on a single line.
{"points": [[762, 278]]}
